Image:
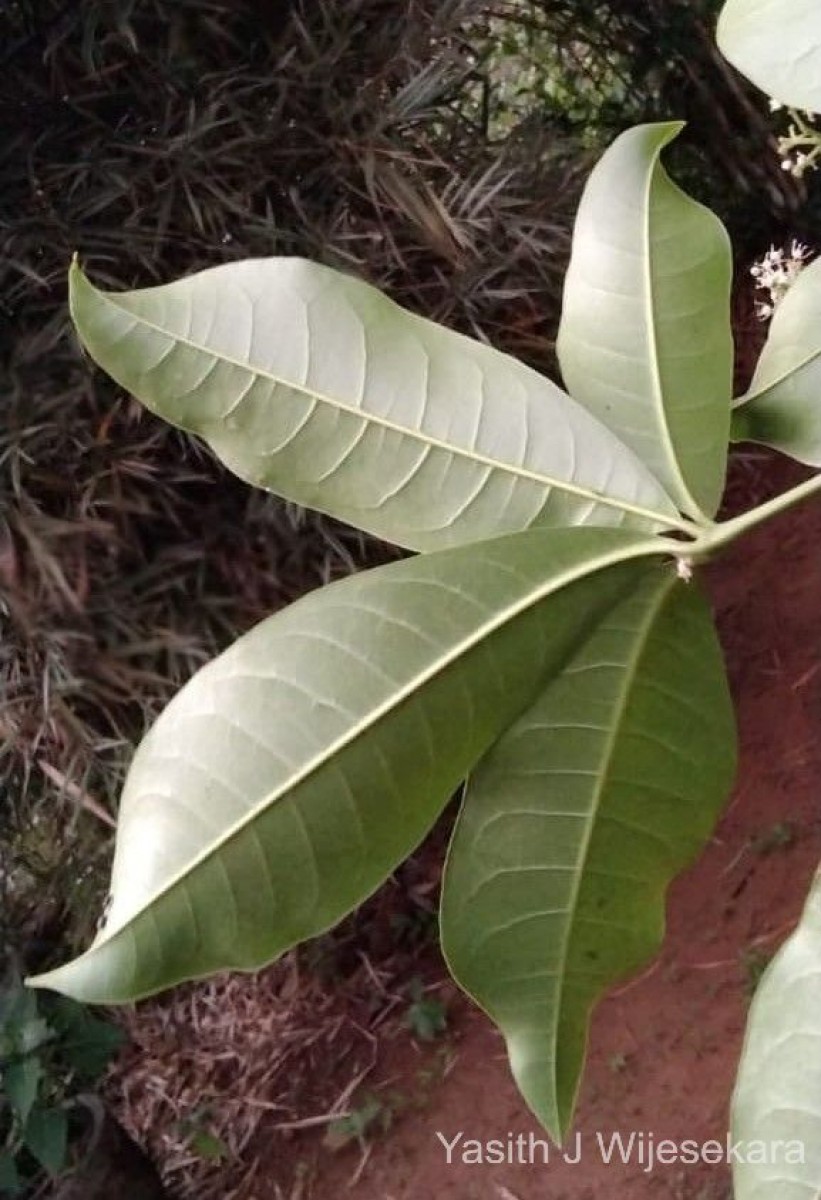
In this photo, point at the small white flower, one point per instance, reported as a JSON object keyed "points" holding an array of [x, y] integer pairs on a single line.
{"points": [[775, 105], [775, 273]]}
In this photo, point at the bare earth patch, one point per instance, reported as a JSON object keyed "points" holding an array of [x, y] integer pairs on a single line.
{"points": [[664, 1047]]}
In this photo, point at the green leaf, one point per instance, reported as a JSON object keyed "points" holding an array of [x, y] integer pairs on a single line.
{"points": [[783, 405], [87, 1043], [10, 1181], [46, 1137], [22, 1030], [576, 821], [777, 45], [778, 1092], [645, 340], [21, 1081], [427, 1016], [296, 771], [208, 1146], [314, 385], [357, 1124]]}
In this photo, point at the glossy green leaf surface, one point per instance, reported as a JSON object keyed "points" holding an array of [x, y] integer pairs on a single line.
{"points": [[777, 45], [316, 386], [645, 340], [576, 821], [778, 1092], [783, 405], [296, 771]]}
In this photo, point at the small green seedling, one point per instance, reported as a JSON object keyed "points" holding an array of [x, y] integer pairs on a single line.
{"points": [[51, 1049], [427, 1016], [371, 1115]]}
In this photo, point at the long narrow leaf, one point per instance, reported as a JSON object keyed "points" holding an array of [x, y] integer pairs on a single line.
{"points": [[293, 773], [783, 405], [777, 1101], [576, 821], [645, 341], [314, 385]]}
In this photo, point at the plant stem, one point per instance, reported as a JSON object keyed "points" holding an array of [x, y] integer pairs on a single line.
{"points": [[725, 533]]}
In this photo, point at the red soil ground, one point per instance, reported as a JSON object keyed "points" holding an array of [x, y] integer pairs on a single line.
{"points": [[664, 1047]]}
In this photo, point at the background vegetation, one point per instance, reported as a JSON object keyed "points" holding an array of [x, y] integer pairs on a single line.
{"points": [[434, 147]]}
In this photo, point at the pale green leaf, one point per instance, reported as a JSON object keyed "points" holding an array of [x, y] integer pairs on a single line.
{"points": [[576, 821], [777, 45], [783, 405], [294, 773], [778, 1092], [645, 340], [316, 386]]}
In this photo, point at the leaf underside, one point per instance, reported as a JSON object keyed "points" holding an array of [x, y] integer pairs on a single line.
{"points": [[777, 45], [291, 775], [645, 341], [781, 408], [316, 386], [778, 1092], [576, 821]]}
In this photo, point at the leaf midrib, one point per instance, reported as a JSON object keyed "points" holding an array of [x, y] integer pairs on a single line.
{"points": [[665, 520], [654, 353], [606, 760], [375, 716]]}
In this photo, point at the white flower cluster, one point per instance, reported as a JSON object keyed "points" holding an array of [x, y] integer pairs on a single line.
{"points": [[800, 147], [776, 273], [798, 164]]}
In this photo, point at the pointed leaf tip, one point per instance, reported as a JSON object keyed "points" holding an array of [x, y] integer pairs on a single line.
{"points": [[645, 341], [576, 821], [781, 408], [292, 774], [315, 386]]}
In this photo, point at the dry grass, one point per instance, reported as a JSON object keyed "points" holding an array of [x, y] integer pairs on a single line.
{"points": [[156, 139], [265, 1062], [249, 1061], [224, 1058]]}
